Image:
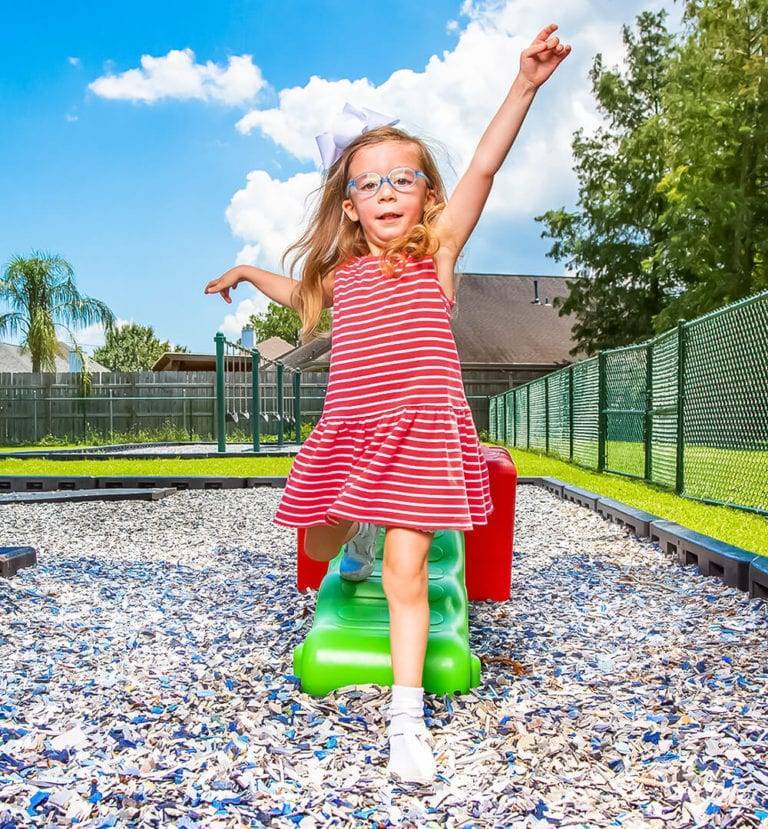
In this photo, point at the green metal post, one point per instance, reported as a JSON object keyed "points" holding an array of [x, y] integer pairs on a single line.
{"points": [[491, 417], [546, 415], [648, 434], [255, 397], [679, 470], [297, 403], [503, 400], [528, 416], [280, 404], [570, 412], [602, 414], [221, 423], [514, 418]]}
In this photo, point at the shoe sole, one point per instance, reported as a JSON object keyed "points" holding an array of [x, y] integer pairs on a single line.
{"points": [[418, 782], [356, 577]]}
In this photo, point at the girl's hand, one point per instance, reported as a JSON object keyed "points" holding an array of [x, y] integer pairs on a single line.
{"points": [[543, 56], [224, 283]]}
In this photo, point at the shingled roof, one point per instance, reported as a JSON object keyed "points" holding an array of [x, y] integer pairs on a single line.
{"points": [[497, 323], [271, 349], [14, 362]]}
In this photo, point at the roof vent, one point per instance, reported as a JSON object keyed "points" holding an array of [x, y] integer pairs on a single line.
{"points": [[536, 300]]}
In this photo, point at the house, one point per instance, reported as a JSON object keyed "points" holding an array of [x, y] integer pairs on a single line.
{"points": [[272, 348], [13, 361]]}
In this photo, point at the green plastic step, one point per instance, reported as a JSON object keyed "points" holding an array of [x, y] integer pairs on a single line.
{"points": [[349, 640]]}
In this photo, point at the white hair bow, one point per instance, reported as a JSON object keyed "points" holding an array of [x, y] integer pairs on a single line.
{"points": [[350, 123]]}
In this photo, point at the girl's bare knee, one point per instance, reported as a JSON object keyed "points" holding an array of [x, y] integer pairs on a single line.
{"points": [[323, 542], [404, 570]]}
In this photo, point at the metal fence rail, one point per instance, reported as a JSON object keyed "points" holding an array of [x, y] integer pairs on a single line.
{"points": [[687, 409]]}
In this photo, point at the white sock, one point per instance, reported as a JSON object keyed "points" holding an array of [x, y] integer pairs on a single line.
{"points": [[407, 699], [410, 754]]}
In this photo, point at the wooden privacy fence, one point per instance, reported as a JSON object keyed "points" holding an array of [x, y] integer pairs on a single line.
{"points": [[33, 405]]}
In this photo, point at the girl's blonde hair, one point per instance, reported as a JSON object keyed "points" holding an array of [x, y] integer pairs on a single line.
{"points": [[331, 239]]}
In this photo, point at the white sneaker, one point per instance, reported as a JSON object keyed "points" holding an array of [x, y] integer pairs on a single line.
{"points": [[410, 750], [359, 556]]}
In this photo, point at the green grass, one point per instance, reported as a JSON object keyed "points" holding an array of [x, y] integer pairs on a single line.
{"points": [[744, 529], [734, 526]]}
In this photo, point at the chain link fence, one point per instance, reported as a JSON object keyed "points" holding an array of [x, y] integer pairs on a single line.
{"points": [[687, 409]]}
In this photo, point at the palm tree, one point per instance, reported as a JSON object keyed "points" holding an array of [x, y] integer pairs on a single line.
{"points": [[43, 293]]}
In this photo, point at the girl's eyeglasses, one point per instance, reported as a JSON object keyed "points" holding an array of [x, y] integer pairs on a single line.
{"points": [[401, 178]]}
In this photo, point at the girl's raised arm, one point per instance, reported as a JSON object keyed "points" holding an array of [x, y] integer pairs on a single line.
{"points": [[465, 206]]}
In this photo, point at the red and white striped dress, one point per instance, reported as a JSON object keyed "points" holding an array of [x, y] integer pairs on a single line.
{"points": [[396, 444]]}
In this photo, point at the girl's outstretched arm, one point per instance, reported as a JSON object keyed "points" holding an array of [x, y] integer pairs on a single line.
{"points": [[467, 201]]}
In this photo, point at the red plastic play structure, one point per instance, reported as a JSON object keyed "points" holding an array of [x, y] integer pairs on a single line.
{"points": [[488, 549]]}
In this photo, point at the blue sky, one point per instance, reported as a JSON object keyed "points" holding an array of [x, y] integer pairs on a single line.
{"points": [[153, 169]]}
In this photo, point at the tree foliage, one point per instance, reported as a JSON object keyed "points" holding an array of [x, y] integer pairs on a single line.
{"points": [[41, 291], [671, 212], [133, 347], [281, 321]]}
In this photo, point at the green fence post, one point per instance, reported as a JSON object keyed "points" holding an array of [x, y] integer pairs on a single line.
{"points": [[679, 470], [280, 404], [648, 432], [503, 402], [528, 417], [297, 403], [221, 423], [491, 417], [514, 417], [570, 412], [546, 416], [602, 415], [255, 398]]}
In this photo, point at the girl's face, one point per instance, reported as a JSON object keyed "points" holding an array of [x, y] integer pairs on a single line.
{"points": [[369, 208]]}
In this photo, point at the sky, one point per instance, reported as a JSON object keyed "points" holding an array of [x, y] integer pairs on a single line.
{"points": [[156, 145]]}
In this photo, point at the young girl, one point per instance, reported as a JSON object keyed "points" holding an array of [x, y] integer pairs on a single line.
{"points": [[396, 446]]}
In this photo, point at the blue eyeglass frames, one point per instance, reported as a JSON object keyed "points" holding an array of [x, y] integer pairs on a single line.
{"points": [[400, 178]]}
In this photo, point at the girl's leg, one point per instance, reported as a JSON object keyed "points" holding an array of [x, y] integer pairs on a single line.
{"points": [[323, 542], [404, 579]]}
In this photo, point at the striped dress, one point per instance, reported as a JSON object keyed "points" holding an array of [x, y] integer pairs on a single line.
{"points": [[396, 444]]}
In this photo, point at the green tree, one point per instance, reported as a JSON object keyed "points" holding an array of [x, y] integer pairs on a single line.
{"points": [[281, 321], [41, 289], [614, 229], [714, 226], [133, 347]]}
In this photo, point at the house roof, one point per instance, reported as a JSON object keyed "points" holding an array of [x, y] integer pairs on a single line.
{"points": [[271, 348], [13, 361], [496, 322]]}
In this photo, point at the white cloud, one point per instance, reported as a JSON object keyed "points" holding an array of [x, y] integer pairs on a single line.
{"points": [[270, 214], [70, 117], [89, 337], [177, 75], [73, 61], [233, 323]]}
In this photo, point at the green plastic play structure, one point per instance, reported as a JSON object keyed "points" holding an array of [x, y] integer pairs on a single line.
{"points": [[349, 640]]}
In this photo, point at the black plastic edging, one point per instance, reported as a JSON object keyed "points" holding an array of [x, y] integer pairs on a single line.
{"points": [[735, 566]]}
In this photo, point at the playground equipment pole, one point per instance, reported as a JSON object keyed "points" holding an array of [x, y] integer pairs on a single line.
{"points": [[255, 408], [221, 424], [280, 404]]}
